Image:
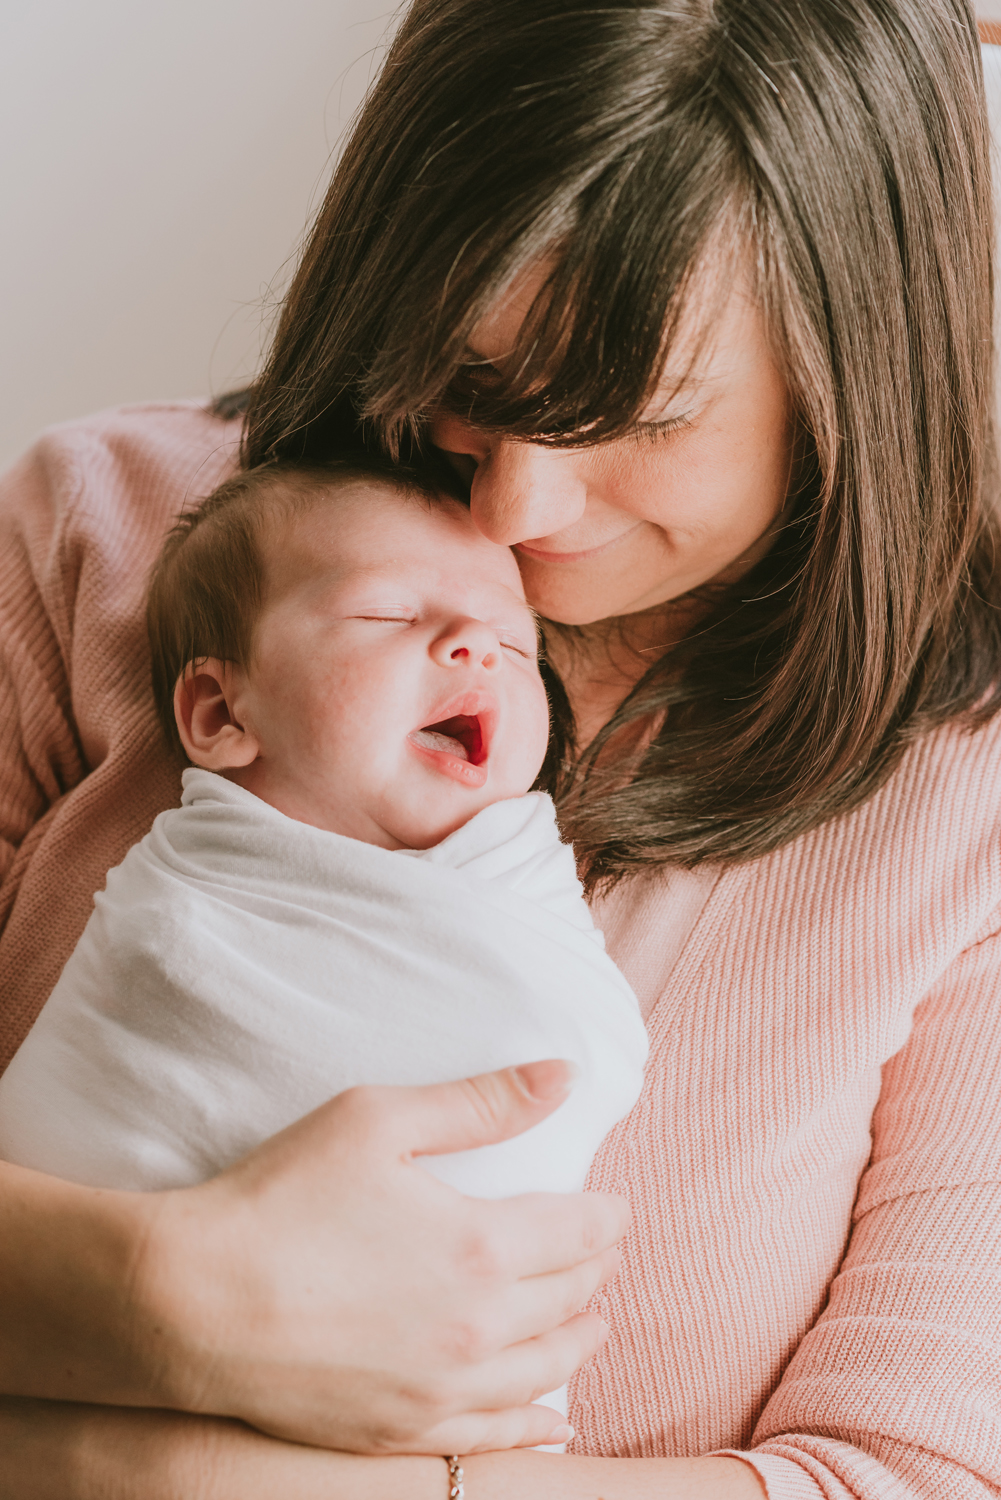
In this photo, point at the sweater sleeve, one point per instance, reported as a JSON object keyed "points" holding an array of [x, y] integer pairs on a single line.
{"points": [[40, 758], [896, 1390], [83, 771]]}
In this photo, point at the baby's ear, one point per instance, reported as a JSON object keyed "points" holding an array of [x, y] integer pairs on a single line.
{"points": [[203, 706]]}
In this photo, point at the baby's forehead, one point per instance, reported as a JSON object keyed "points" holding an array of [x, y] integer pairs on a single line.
{"points": [[372, 530]]}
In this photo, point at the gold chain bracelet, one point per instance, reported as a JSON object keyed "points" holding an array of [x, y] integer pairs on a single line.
{"points": [[456, 1479]]}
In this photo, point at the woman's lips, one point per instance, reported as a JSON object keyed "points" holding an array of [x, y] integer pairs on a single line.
{"points": [[542, 555]]}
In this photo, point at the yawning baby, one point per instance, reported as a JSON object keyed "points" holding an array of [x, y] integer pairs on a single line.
{"points": [[358, 886]]}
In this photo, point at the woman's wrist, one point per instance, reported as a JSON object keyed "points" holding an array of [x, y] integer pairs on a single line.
{"points": [[546, 1476], [76, 1308]]}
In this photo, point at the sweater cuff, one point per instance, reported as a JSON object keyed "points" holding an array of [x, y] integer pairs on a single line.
{"points": [[787, 1478]]}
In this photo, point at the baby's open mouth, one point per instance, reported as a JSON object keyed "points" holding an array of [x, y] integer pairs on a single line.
{"points": [[461, 736], [459, 744]]}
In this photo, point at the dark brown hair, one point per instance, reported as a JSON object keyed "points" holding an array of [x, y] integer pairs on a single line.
{"points": [[208, 585], [841, 147]]}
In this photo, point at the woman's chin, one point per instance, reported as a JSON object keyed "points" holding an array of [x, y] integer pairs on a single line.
{"points": [[584, 606], [581, 594]]}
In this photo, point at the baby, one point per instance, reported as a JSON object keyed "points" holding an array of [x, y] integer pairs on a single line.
{"points": [[358, 886]]}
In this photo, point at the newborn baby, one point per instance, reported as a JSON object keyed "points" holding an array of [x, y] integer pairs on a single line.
{"points": [[358, 886]]}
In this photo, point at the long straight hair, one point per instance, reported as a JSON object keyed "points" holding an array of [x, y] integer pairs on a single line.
{"points": [[840, 147]]}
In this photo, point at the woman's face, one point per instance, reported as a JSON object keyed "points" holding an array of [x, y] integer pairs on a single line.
{"points": [[693, 495]]}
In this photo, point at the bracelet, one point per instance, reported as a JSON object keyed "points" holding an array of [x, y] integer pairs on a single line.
{"points": [[456, 1479]]}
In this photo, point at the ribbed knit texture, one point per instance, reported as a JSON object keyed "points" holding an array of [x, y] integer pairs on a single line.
{"points": [[82, 518], [813, 1277]]}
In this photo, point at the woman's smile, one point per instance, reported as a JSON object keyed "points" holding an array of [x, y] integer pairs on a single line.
{"points": [[561, 556]]}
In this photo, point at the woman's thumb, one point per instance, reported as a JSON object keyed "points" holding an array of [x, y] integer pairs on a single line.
{"points": [[490, 1107]]}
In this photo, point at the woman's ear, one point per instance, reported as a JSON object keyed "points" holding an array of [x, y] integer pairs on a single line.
{"points": [[211, 734]]}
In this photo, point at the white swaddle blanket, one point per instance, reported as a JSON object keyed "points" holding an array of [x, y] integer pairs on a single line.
{"points": [[240, 968]]}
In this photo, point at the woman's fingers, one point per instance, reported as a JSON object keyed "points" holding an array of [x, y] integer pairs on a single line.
{"points": [[490, 1431], [541, 1302], [536, 1366], [546, 1232], [474, 1111], [511, 1423]]}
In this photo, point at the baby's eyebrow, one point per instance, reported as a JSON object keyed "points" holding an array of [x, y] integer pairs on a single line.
{"points": [[537, 621], [534, 613]]}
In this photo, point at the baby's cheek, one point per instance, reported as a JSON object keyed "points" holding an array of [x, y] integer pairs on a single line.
{"points": [[534, 731]]}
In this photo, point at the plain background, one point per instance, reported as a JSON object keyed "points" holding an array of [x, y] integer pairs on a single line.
{"points": [[160, 165]]}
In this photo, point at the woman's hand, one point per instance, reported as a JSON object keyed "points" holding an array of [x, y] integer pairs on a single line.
{"points": [[337, 1294], [326, 1289]]}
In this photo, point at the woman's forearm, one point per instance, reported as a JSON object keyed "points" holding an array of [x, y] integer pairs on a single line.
{"points": [[66, 1451], [545, 1476], [78, 1318]]}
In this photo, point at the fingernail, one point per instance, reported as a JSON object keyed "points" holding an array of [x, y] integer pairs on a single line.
{"points": [[564, 1434], [552, 1079]]}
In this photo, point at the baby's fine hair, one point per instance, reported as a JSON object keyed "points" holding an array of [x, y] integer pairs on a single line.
{"points": [[207, 587]]}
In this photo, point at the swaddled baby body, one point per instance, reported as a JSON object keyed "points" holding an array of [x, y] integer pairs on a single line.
{"points": [[358, 886]]}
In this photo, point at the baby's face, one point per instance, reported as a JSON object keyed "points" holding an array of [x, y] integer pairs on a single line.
{"points": [[394, 688]]}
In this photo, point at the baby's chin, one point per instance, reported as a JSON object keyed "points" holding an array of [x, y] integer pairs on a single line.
{"points": [[420, 811], [425, 829], [416, 807]]}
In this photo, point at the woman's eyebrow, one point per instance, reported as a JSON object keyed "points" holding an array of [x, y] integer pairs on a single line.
{"points": [[689, 381], [671, 393]]}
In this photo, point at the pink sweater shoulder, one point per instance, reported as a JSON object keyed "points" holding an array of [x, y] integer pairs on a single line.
{"points": [[82, 771], [812, 1279]]}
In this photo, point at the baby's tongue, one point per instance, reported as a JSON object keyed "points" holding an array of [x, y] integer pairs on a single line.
{"points": [[429, 739]]}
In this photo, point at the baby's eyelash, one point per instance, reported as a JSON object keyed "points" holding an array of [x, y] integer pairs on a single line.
{"points": [[511, 645]]}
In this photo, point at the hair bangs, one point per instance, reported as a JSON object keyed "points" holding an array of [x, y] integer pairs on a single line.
{"points": [[618, 196], [592, 351]]}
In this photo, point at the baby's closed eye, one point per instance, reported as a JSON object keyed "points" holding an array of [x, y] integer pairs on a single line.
{"points": [[511, 644], [391, 619]]}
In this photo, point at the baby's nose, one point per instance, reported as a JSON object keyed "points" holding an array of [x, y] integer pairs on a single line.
{"points": [[467, 642]]}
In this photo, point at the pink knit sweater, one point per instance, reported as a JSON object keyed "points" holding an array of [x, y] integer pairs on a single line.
{"points": [[813, 1278]]}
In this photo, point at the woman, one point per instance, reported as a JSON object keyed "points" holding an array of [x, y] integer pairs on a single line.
{"points": [[698, 298]]}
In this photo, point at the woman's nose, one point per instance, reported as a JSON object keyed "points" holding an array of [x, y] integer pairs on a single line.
{"points": [[467, 642], [519, 491]]}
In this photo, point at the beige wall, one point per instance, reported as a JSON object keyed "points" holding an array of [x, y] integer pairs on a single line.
{"points": [[159, 164]]}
